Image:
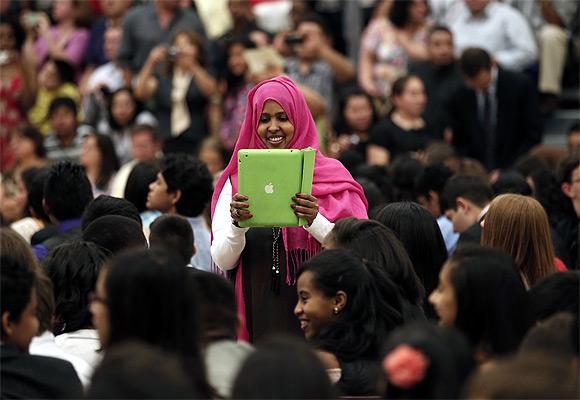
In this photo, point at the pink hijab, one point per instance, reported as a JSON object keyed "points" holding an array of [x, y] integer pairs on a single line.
{"points": [[338, 194]]}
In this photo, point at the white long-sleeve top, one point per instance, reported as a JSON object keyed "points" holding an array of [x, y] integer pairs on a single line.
{"points": [[229, 240]]}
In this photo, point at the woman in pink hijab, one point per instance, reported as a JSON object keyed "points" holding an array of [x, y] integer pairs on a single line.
{"points": [[263, 261]]}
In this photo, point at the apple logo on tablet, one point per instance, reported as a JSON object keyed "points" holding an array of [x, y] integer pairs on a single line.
{"points": [[269, 188]]}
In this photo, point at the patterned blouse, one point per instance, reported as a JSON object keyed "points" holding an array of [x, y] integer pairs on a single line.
{"points": [[380, 39]]}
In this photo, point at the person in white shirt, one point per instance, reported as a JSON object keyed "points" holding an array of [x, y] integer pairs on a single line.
{"points": [[496, 27]]}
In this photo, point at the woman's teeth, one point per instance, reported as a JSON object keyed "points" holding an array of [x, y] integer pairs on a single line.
{"points": [[276, 139]]}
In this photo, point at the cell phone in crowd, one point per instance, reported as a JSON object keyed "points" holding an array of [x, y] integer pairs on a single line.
{"points": [[32, 19], [293, 40], [172, 52], [4, 57]]}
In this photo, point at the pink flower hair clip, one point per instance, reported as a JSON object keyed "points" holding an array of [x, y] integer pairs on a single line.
{"points": [[405, 366]]}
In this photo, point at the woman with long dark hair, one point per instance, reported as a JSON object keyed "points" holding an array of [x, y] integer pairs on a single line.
{"points": [[345, 308], [100, 160], [481, 293], [374, 242], [150, 296], [420, 234]]}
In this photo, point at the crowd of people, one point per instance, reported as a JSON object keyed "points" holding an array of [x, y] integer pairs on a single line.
{"points": [[440, 253]]}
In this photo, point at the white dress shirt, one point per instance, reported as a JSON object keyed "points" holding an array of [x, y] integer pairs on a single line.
{"points": [[45, 345], [229, 240], [500, 29]]}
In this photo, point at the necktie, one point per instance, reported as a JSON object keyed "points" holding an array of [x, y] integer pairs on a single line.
{"points": [[488, 130]]}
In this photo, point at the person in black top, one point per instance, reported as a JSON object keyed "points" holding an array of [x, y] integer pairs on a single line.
{"points": [[404, 130], [440, 75], [24, 375]]}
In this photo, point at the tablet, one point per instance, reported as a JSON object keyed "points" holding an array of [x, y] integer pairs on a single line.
{"points": [[270, 178]]}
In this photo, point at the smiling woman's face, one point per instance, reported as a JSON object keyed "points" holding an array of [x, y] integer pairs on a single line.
{"points": [[274, 126]]}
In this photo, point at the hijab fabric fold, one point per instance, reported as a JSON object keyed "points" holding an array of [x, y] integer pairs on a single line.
{"points": [[338, 194]]}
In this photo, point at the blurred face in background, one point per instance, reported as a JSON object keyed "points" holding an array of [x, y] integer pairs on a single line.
{"points": [[144, 146], [313, 37], [412, 100], [440, 47], [236, 61], [90, 153], [63, 10], [48, 76], [7, 39], [358, 113], [418, 11], [115, 8], [476, 6], [64, 122], [112, 40], [22, 147], [123, 107], [443, 298]]}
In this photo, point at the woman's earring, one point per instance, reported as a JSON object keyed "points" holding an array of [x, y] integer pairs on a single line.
{"points": [[335, 310]]}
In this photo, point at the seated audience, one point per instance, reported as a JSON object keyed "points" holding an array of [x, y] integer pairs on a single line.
{"points": [[173, 233], [123, 113], [372, 241], [66, 194], [552, 23], [44, 343], [224, 355], [345, 307], [64, 143], [106, 205], [404, 130], [24, 375], [426, 362], [136, 370], [115, 233], [356, 115], [55, 80], [525, 377], [34, 220], [181, 92], [465, 198], [552, 338], [64, 40], [441, 76], [316, 64], [496, 27], [137, 189], [73, 269], [429, 190], [146, 145], [390, 41], [495, 118], [184, 187], [567, 227], [519, 226], [143, 289], [28, 147], [555, 293], [300, 376], [100, 160], [481, 294], [420, 234]]}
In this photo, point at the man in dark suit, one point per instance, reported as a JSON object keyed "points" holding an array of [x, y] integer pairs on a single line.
{"points": [[496, 118], [26, 376], [440, 75]]}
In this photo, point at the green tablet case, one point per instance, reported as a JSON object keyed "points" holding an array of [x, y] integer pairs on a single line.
{"points": [[270, 178]]}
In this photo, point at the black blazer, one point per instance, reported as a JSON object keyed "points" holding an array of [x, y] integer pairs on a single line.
{"points": [[518, 124], [26, 376]]}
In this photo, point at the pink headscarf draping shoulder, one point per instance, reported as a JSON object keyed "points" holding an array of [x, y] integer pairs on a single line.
{"points": [[338, 194]]}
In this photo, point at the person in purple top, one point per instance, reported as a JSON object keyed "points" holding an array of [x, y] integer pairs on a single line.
{"points": [[67, 192]]}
